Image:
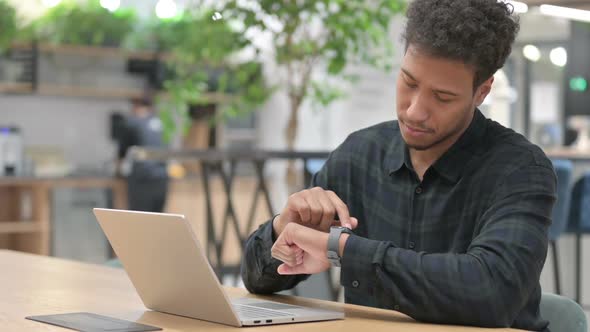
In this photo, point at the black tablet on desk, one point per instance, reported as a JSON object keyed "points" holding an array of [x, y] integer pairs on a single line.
{"points": [[87, 322]]}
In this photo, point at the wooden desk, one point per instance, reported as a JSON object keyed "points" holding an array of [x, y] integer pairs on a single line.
{"points": [[38, 285]]}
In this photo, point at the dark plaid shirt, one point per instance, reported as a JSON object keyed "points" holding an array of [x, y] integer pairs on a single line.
{"points": [[464, 246]]}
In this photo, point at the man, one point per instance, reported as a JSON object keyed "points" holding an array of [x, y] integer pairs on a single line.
{"points": [[450, 210], [147, 181]]}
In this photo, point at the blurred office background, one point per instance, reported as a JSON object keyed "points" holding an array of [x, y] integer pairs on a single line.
{"points": [[227, 80]]}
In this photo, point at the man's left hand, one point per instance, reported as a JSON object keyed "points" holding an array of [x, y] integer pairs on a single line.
{"points": [[302, 249]]}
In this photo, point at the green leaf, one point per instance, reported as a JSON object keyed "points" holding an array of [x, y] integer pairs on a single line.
{"points": [[87, 23], [323, 94], [336, 65], [8, 24]]}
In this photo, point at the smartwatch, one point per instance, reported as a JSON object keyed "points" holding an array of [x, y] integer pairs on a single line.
{"points": [[334, 243]]}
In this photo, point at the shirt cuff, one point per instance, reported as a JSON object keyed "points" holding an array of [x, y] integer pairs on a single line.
{"points": [[265, 238], [358, 264]]}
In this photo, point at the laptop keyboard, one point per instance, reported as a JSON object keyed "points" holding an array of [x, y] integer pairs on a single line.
{"points": [[253, 312], [273, 305]]}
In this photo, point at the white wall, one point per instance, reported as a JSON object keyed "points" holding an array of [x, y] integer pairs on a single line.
{"points": [[78, 126], [535, 27], [370, 101]]}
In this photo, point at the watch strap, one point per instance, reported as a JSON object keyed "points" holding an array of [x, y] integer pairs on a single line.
{"points": [[334, 244]]}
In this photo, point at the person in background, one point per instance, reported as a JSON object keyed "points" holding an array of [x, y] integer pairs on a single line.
{"points": [[445, 212], [147, 181]]}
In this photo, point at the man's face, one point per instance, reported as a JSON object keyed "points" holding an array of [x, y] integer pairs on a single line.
{"points": [[435, 100], [140, 110]]}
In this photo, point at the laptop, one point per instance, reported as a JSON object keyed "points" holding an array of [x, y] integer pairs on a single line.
{"points": [[171, 273]]}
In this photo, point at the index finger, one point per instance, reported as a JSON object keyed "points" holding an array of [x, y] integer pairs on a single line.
{"points": [[341, 209]]}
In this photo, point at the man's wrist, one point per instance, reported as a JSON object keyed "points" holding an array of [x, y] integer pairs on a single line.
{"points": [[342, 243]]}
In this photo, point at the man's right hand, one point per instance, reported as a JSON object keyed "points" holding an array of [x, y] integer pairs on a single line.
{"points": [[315, 208]]}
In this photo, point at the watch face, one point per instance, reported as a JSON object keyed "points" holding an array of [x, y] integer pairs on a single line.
{"points": [[342, 229]]}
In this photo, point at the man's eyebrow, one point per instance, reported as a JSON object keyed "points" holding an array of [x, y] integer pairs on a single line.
{"points": [[446, 92], [409, 75]]}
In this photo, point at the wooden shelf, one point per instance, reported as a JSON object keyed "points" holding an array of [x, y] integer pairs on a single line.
{"points": [[77, 91], [71, 91], [13, 227], [111, 93], [48, 89], [12, 87], [91, 92], [93, 51]]}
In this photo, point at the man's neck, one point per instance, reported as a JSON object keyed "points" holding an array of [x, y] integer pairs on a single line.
{"points": [[423, 159]]}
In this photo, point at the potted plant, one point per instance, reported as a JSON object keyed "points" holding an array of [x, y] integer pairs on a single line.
{"points": [[314, 37], [8, 25], [203, 63], [83, 24]]}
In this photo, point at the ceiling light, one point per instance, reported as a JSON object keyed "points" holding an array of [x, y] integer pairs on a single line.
{"points": [[532, 53], [558, 56], [110, 5], [519, 7], [166, 9], [570, 13], [51, 3]]}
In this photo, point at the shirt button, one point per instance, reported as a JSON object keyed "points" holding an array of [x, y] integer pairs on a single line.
{"points": [[412, 245], [396, 307], [419, 190], [355, 284]]}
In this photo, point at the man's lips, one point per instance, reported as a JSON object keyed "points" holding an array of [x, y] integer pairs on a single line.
{"points": [[416, 130]]}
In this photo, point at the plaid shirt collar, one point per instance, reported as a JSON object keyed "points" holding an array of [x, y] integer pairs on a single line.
{"points": [[451, 164]]}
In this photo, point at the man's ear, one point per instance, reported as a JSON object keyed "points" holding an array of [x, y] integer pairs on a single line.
{"points": [[483, 90]]}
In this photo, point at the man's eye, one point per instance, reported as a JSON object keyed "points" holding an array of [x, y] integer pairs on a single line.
{"points": [[411, 86], [443, 100]]}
